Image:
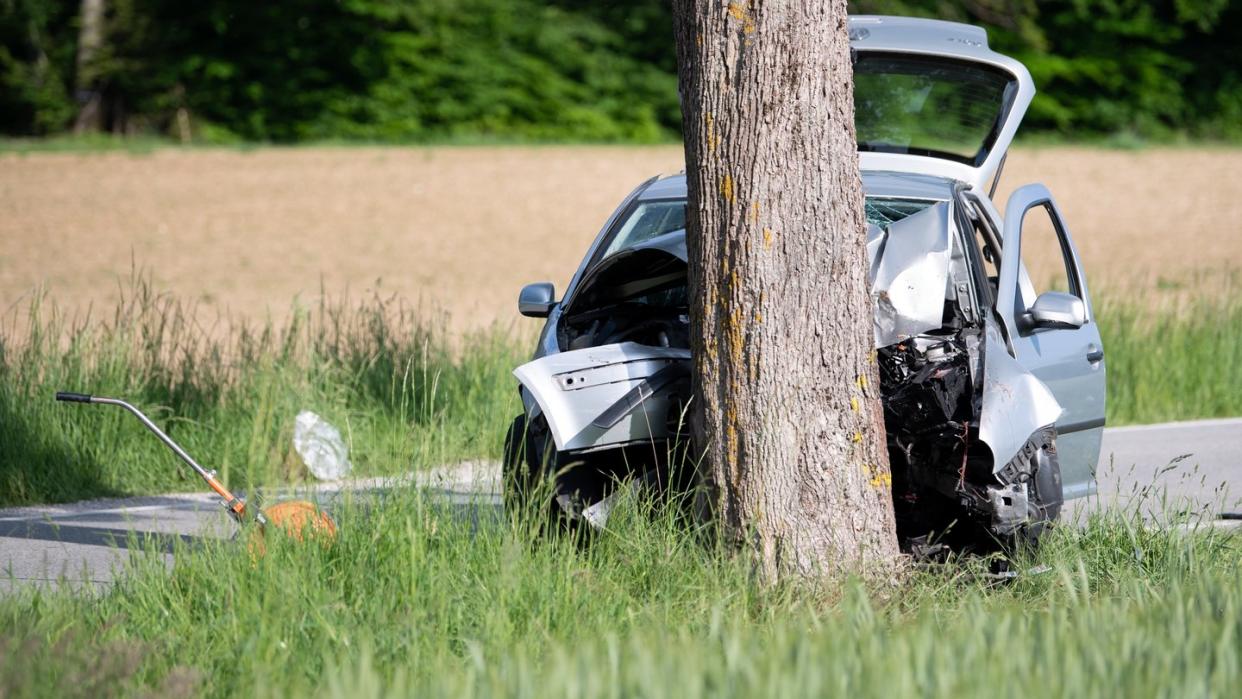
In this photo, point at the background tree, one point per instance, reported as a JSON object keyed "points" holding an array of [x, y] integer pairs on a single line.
{"points": [[789, 414], [600, 70], [90, 43]]}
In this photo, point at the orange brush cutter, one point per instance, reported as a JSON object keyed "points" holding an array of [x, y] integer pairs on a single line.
{"points": [[295, 517]]}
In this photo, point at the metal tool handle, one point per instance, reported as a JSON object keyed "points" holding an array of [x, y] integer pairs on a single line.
{"points": [[235, 505], [176, 448]]}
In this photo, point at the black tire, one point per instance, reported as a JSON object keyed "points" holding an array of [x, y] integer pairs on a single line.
{"points": [[515, 468], [515, 445], [1046, 494], [526, 463]]}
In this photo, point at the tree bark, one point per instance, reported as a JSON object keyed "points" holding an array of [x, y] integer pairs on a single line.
{"points": [[788, 412], [90, 42]]}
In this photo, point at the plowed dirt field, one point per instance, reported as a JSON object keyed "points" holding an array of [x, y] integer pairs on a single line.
{"points": [[250, 232]]}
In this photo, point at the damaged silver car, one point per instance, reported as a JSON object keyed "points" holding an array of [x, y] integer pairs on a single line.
{"points": [[993, 393]]}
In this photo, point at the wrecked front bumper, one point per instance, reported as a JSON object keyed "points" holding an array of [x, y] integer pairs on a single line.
{"points": [[607, 396]]}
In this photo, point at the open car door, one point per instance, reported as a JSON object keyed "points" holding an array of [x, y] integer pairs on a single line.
{"points": [[1054, 335]]}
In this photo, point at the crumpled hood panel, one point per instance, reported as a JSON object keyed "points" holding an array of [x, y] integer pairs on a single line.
{"points": [[909, 274], [1015, 403], [909, 269]]}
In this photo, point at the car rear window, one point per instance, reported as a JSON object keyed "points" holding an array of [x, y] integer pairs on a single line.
{"points": [[931, 106]]}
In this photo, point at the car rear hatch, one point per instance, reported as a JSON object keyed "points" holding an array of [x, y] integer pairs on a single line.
{"points": [[930, 97]]}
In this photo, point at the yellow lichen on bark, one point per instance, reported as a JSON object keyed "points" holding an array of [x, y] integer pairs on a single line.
{"points": [[734, 336], [727, 189], [877, 478], [741, 13]]}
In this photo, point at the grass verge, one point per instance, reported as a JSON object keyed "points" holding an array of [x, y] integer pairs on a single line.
{"points": [[403, 393], [418, 598], [1175, 355], [389, 378]]}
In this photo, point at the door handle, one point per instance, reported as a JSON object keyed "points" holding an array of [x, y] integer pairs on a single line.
{"points": [[1095, 356]]}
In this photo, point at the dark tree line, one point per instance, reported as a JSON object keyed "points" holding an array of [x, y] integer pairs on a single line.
{"points": [[419, 70]]}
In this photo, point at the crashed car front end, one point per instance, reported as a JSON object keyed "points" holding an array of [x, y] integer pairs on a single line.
{"points": [[964, 420], [989, 389]]}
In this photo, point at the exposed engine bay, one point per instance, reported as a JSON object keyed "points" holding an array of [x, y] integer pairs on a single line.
{"points": [[969, 434]]}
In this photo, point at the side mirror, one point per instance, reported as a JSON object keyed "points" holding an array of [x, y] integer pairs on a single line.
{"points": [[1057, 309], [537, 300]]}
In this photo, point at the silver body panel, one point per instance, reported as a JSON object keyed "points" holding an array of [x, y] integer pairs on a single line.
{"points": [[574, 388], [1016, 404], [910, 274]]}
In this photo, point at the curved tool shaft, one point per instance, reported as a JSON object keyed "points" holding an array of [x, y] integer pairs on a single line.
{"points": [[235, 505]]}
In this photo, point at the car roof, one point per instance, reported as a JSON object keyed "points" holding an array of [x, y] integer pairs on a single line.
{"points": [[896, 185]]}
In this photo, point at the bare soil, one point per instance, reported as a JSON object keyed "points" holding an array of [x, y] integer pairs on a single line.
{"points": [[252, 233]]}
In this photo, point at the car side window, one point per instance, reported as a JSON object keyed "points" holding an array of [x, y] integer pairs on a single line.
{"points": [[1047, 265]]}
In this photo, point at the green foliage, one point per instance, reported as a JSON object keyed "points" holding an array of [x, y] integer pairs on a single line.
{"points": [[37, 48], [454, 70], [414, 70]]}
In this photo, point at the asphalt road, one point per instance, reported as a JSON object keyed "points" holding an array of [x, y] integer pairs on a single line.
{"points": [[85, 544], [1175, 465], [82, 545]]}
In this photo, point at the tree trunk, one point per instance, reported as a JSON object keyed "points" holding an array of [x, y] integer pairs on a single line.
{"points": [[789, 417], [90, 42]]}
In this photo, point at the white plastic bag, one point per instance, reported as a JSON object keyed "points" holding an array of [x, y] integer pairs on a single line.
{"points": [[321, 447]]}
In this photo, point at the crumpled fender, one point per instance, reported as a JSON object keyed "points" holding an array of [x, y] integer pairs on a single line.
{"points": [[1016, 404]]}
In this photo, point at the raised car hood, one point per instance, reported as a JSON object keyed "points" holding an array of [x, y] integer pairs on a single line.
{"points": [[909, 274]]}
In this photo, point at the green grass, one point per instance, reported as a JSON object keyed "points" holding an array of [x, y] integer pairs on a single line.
{"points": [[419, 598], [1175, 355], [416, 599], [404, 394], [401, 395]]}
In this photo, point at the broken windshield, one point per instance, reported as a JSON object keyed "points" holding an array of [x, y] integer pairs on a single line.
{"points": [[931, 106], [882, 212]]}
